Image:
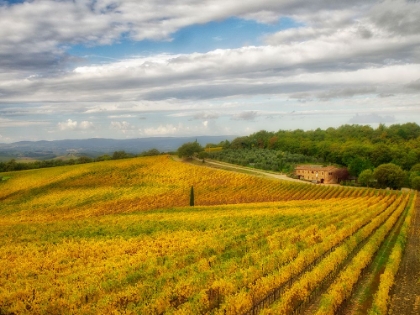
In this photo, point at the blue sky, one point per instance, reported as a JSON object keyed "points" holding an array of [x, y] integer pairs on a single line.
{"points": [[229, 33], [128, 69]]}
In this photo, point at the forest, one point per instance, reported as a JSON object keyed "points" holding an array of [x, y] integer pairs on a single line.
{"points": [[355, 146], [359, 148], [265, 159]]}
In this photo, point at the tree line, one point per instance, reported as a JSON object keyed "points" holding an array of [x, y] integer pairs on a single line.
{"points": [[386, 156], [265, 159], [354, 146]]}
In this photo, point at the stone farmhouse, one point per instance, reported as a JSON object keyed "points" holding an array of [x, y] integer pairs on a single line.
{"points": [[321, 174]]}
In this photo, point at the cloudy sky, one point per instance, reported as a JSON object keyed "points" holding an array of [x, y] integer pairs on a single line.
{"points": [[142, 68]]}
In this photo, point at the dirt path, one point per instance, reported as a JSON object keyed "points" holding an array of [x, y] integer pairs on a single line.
{"points": [[406, 293], [251, 170]]}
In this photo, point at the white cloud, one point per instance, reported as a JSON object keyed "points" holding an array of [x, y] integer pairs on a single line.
{"points": [[121, 116], [4, 139], [123, 126], [371, 118], [200, 115], [162, 130], [338, 39], [206, 115], [247, 115], [346, 52], [84, 125], [414, 85], [179, 129], [397, 16], [345, 92], [68, 125], [4, 122], [74, 125], [37, 33]]}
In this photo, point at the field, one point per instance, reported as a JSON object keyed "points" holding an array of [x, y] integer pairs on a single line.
{"points": [[118, 237]]}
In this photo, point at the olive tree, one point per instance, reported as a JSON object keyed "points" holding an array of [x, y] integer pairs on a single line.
{"points": [[415, 183], [389, 175], [366, 178], [189, 149]]}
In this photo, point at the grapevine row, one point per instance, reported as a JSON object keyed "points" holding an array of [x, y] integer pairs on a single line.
{"points": [[250, 260], [301, 291], [283, 277], [342, 287], [279, 256], [381, 299], [178, 268]]}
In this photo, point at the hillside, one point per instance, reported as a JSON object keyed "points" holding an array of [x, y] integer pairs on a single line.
{"points": [[119, 237], [137, 184], [355, 146]]}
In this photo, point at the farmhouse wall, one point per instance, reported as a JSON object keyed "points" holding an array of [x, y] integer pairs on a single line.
{"points": [[318, 173]]}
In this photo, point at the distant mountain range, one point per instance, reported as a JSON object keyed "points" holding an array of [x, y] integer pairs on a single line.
{"points": [[42, 150]]}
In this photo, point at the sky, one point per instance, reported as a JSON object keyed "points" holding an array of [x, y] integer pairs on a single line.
{"points": [[146, 68]]}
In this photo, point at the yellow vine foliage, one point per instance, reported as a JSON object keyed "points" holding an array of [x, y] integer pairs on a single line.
{"points": [[118, 237], [138, 184], [381, 298]]}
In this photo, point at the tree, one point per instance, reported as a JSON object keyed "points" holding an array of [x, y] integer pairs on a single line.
{"points": [[11, 165], [81, 160], [151, 152], [203, 155], [415, 183], [342, 174], [224, 144], [357, 165], [366, 178], [117, 155], [192, 196], [415, 177], [406, 159], [241, 143], [189, 149], [416, 168], [389, 175], [104, 157], [381, 154]]}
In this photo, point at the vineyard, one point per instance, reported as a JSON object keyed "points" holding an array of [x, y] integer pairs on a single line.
{"points": [[118, 237], [138, 184]]}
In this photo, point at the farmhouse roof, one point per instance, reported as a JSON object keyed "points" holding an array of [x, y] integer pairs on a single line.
{"points": [[316, 168]]}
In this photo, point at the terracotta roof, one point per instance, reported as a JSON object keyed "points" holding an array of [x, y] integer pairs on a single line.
{"points": [[316, 168]]}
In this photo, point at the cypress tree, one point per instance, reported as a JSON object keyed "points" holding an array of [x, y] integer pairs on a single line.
{"points": [[192, 196]]}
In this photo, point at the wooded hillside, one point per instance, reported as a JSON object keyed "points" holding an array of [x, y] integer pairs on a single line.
{"points": [[355, 146]]}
